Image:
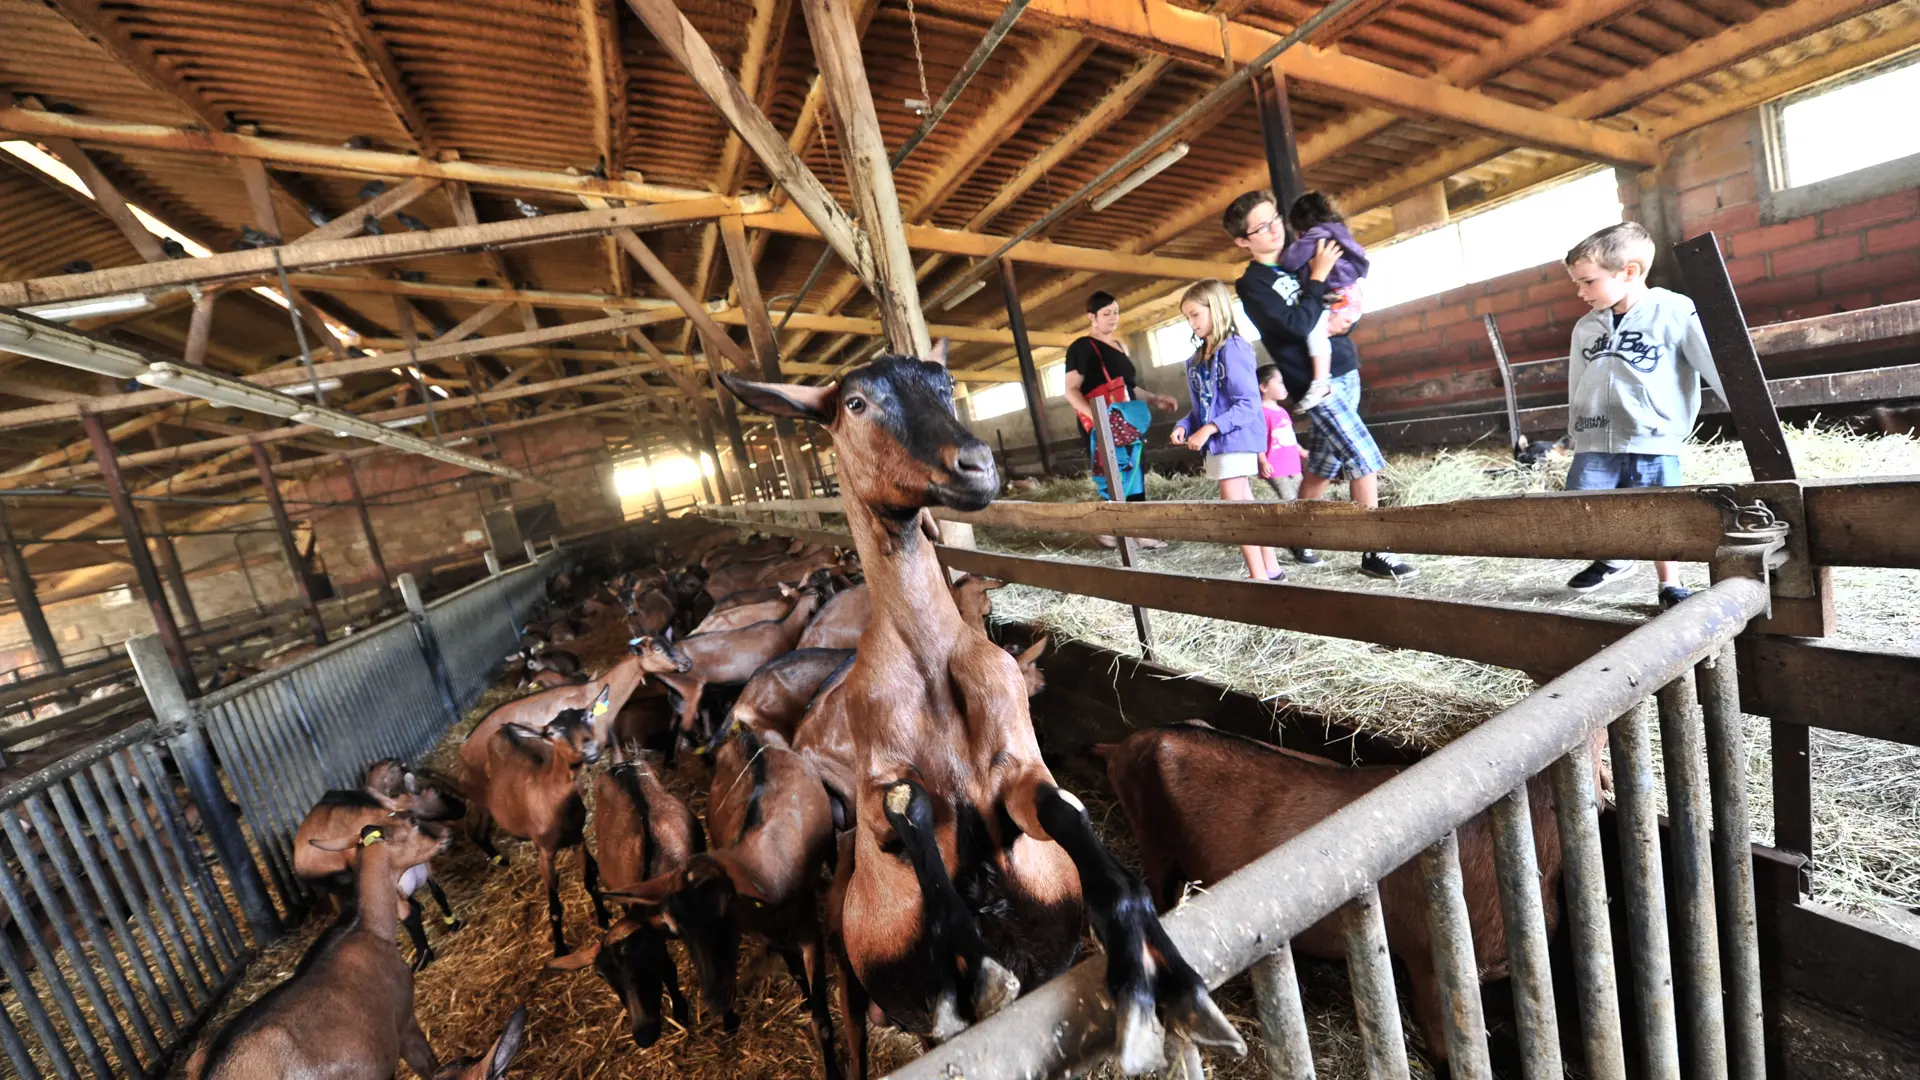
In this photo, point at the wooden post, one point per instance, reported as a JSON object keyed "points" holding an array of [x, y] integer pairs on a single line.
{"points": [[1276, 130], [199, 329], [730, 419], [653, 481], [1506, 383], [170, 566], [1103, 423], [366, 528], [287, 547], [713, 452], [1704, 273], [1029, 375], [20, 581], [733, 234], [143, 570], [896, 289]]}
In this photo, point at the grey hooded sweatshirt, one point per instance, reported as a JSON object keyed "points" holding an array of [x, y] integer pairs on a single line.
{"points": [[1634, 379]]}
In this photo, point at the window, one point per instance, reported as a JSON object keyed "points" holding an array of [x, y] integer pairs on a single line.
{"points": [[1846, 126], [997, 400], [1053, 379], [1533, 229], [1172, 342]]}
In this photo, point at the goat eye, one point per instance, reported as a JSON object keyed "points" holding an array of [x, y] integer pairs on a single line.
{"points": [[856, 404]]}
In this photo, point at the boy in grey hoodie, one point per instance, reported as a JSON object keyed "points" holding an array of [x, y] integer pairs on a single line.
{"points": [[1633, 381]]}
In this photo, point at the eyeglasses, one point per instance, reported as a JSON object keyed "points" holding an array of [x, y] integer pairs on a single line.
{"points": [[1268, 225]]}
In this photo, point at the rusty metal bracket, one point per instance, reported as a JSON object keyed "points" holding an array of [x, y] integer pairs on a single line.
{"points": [[1756, 507], [1754, 552]]}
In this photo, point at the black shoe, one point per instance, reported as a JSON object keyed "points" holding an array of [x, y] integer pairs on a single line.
{"points": [[1597, 574], [1306, 556], [1385, 564], [1673, 594]]}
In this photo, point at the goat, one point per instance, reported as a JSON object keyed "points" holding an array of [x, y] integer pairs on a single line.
{"points": [[845, 617], [733, 618], [772, 832], [1204, 803], [530, 788], [321, 860], [732, 656], [541, 657], [950, 795], [646, 656], [228, 673], [792, 571], [760, 551], [774, 700], [640, 832], [348, 1010], [493, 1064], [651, 613], [970, 596], [549, 680]]}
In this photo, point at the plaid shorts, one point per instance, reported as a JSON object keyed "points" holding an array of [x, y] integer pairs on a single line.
{"points": [[1339, 439]]}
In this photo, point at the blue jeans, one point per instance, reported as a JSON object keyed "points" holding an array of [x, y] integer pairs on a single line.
{"points": [[1604, 472]]}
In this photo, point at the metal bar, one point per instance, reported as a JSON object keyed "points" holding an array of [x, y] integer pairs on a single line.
{"points": [[1517, 870], [1276, 133], [1697, 942], [1726, 738], [219, 731], [126, 889], [56, 983], [16, 1048], [187, 743], [143, 828], [114, 906], [1499, 345], [156, 596], [1370, 970], [1454, 964], [36, 1011], [1283, 1021], [1639, 823], [170, 567], [26, 600], [193, 869], [373, 541], [52, 842], [273, 829], [58, 917], [1583, 876], [288, 548], [155, 894], [1029, 375], [1103, 425]]}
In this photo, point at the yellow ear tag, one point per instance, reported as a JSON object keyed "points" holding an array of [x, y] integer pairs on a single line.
{"points": [[600, 708], [372, 837]]}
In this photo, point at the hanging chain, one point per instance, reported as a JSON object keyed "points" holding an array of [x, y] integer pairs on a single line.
{"points": [[1754, 517], [919, 62], [299, 333]]}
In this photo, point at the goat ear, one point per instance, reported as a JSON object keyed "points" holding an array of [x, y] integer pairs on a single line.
{"points": [[937, 354], [815, 403], [1034, 651], [992, 583], [574, 961], [336, 845], [508, 1044]]}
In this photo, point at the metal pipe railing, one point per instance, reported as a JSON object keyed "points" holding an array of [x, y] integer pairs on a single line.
{"points": [[1238, 921]]}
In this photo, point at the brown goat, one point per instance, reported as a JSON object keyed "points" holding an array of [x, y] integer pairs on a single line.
{"points": [[493, 1064], [735, 553], [640, 831], [790, 570], [646, 655], [322, 859], [651, 613], [941, 765], [1204, 803], [774, 700], [732, 656], [739, 615], [845, 617], [530, 787], [348, 1010], [970, 596]]}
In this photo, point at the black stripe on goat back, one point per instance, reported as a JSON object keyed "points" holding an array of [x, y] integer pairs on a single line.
{"points": [[626, 776], [354, 797]]}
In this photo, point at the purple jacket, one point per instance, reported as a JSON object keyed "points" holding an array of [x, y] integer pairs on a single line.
{"points": [[1225, 395], [1353, 258]]}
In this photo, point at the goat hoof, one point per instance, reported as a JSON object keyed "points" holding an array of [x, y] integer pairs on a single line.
{"points": [[1139, 1041], [993, 989], [422, 959], [1196, 1017]]}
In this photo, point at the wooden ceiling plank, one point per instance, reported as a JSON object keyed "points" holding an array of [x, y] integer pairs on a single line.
{"points": [[107, 199], [375, 60], [387, 202]]}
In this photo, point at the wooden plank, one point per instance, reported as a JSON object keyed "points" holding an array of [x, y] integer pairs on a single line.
{"points": [[1865, 969], [733, 236], [1542, 643], [322, 158], [841, 324], [237, 265], [1813, 683], [353, 221], [107, 199], [1663, 523], [1869, 522], [1734, 356]]}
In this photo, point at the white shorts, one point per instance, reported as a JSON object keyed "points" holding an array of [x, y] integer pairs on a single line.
{"points": [[1231, 466]]}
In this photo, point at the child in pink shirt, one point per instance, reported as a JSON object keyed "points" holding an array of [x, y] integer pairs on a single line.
{"points": [[1283, 450]]}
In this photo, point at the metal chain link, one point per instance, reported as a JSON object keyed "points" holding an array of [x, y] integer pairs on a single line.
{"points": [[1753, 517], [919, 62]]}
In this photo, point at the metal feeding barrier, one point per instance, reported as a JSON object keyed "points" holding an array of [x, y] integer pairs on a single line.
{"points": [[1711, 1028], [137, 870]]}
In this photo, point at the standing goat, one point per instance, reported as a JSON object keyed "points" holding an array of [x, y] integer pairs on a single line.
{"points": [[972, 873], [647, 655], [347, 1013]]}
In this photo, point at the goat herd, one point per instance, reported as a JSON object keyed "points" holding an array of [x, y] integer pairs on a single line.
{"points": [[877, 800]]}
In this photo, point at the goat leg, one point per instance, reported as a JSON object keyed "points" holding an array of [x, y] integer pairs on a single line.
{"points": [[417, 933], [656, 948], [481, 830], [851, 995], [987, 986], [814, 961], [556, 915], [447, 918], [590, 876], [415, 1050], [1143, 967]]}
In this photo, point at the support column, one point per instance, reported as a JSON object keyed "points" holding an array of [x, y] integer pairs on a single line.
{"points": [[150, 587], [1029, 376], [713, 452], [653, 481], [20, 580], [287, 547], [1276, 129], [373, 542], [766, 349], [170, 565], [730, 419]]}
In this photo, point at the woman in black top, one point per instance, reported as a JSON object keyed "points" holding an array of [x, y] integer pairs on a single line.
{"points": [[1094, 364]]}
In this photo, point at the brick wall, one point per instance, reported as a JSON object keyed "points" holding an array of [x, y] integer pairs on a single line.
{"points": [[1426, 355]]}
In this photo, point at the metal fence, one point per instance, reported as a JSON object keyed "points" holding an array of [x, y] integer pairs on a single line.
{"points": [[136, 887]]}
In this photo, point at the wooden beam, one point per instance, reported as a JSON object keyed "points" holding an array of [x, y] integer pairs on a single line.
{"points": [[691, 307], [685, 44], [841, 324], [733, 236], [353, 221], [92, 19], [239, 265], [311, 157], [889, 276], [260, 186], [605, 78], [369, 49], [107, 199]]}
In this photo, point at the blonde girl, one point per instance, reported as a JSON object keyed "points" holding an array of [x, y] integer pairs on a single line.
{"points": [[1226, 422]]}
